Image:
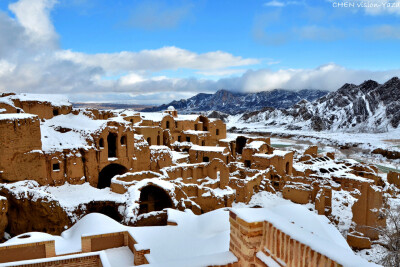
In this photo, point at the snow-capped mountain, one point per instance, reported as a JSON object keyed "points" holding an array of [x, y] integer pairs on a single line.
{"points": [[368, 107], [234, 103]]}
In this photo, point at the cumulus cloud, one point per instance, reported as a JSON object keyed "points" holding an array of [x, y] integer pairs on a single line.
{"points": [[32, 61], [157, 59], [34, 16]]}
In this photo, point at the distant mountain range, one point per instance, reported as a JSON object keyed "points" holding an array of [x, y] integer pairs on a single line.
{"points": [[235, 103], [368, 107]]}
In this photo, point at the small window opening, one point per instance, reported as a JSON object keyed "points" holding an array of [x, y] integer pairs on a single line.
{"points": [[123, 140], [56, 167]]}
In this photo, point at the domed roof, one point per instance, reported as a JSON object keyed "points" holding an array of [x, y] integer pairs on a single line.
{"points": [[171, 108]]}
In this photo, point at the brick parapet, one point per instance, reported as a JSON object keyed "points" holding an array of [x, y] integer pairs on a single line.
{"points": [[249, 238]]}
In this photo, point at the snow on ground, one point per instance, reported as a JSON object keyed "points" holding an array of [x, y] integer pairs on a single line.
{"points": [[121, 257], [365, 140], [196, 240], [342, 202]]}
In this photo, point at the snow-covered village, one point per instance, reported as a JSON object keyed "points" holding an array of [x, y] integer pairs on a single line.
{"points": [[169, 133]]}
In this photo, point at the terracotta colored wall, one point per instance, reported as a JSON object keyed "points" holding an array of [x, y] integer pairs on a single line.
{"points": [[27, 251], [18, 139], [86, 261], [249, 238], [104, 241]]}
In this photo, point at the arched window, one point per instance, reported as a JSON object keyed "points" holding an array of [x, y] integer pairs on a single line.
{"points": [[287, 167], [123, 140], [217, 132], [167, 124], [101, 143], [149, 141]]}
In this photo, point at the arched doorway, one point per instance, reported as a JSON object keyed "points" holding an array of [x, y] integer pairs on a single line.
{"points": [[153, 198], [240, 144], [112, 145], [109, 172]]}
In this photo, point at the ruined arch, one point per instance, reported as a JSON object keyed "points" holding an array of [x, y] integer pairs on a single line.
{"points": [[153, 198], [108, 172], [112, 145]]}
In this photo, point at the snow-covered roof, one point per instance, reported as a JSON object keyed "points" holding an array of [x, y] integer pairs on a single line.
{"points": [[54, 99], [255, 144], [16, 116], [192, 117], [81, 127], [276, 152], [308, 228], [196, 132], [209, 148], [171, 108], [153, 116]]}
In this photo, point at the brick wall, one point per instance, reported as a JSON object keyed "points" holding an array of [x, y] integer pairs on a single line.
{"points": [[27, 251], [249, 238], [86, 261]]}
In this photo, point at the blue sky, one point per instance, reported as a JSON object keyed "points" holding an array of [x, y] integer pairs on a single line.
{"points": [[155, 51]]}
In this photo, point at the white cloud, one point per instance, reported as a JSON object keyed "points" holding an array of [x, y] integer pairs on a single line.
{"points": [[158, 59], [328, 77], [275, 3], [34, 16], [45, 68], [381, 7]]}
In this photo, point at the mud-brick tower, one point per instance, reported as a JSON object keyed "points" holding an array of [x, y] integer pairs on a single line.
{"points": [[21, 157]]}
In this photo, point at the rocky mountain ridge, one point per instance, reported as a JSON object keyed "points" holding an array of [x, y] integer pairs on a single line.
{"points": [[235, 103], [368, 107]]}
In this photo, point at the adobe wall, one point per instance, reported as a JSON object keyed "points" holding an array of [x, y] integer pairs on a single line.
{"points": [[44, 110], [27, 251], [283, 164], [366, 210], [217, 129], [312, 151], [152, 134], [197, 156], [8, 108], [3, 216], [20, 155], [394, 178]]}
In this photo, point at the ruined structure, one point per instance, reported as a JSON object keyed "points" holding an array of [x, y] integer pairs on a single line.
{"points": [[138, 164]]}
